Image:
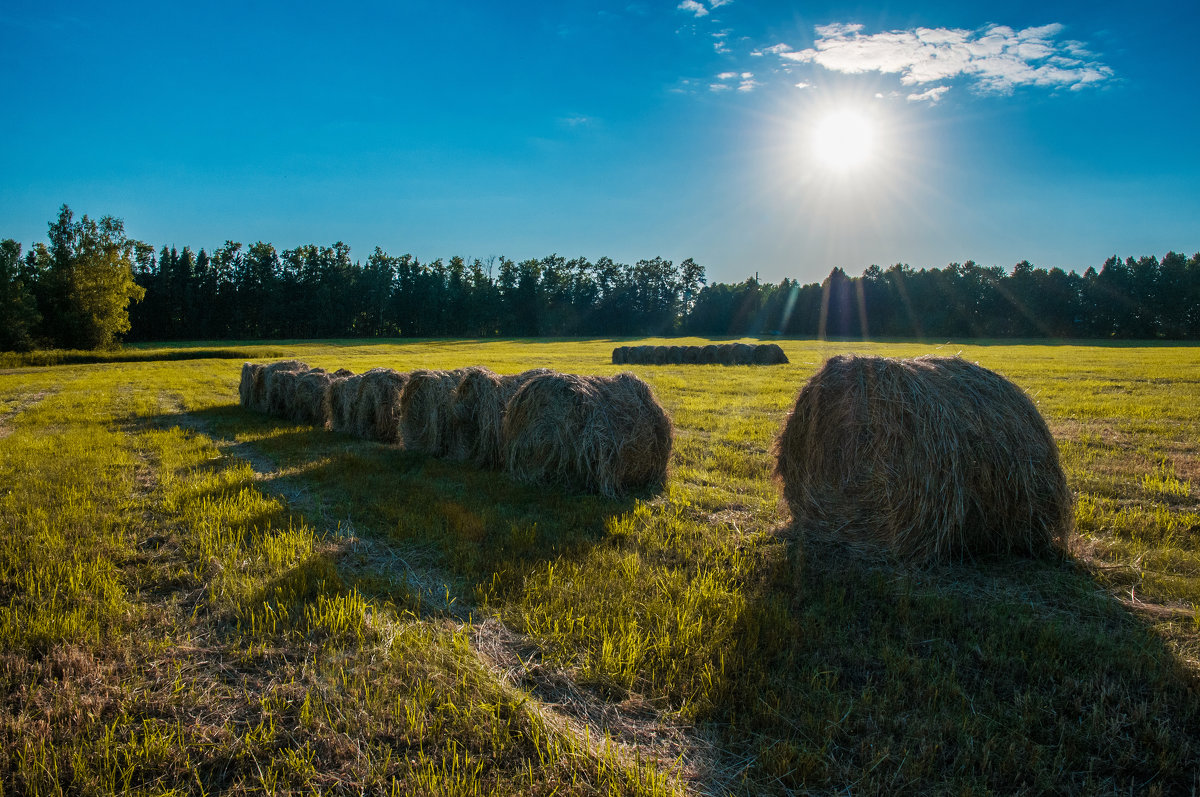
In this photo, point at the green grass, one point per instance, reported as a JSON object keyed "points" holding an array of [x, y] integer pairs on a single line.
{"points": [[195, 598]]}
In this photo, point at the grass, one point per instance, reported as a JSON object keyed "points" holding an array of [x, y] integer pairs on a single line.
{"points": [[195, 598]]}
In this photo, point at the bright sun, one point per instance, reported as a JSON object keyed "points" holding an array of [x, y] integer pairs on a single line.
{"points": [[843, 141]]}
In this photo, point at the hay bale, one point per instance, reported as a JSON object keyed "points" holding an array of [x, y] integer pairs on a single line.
{"points": [[743, 354], [936, 458], [636, 356], [769, 354], [343, 398], [675, 355], [251, 385], [377, 412], [709, 355], [725, 354], [311, 401], [425, 411], [279, 391], [659, 355], [606, 435], [620, 355], [476, 417], [691, 355]]}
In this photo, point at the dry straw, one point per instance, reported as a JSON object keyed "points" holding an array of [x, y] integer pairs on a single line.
{"points": [[769, 354], [607, 435], [343, 398], [377, 405], [425, 411], [936, 458], [620, 355], [476, 417], [311, 401], [279, 380], [251, 385]]}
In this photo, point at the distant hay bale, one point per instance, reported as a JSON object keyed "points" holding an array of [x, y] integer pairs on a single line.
{"points": [[691, 355], [606, 435], [311, 401], [769, 354], [660, 355], [279, 380], [377, 412], [936, 458], [620, 355], [743, 354], [251, 385], [725, 354], [641, 355], [343, 399], [675, 355], [425, 411], [709, 355]]}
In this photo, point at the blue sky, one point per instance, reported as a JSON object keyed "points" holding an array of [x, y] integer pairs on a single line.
{"points": [[1058, 133]]}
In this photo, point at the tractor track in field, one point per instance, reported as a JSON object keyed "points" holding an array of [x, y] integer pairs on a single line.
{"points": [[637, 731]]}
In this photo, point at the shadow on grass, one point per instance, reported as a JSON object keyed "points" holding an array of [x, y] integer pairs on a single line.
{"points": [[1007, 676]]}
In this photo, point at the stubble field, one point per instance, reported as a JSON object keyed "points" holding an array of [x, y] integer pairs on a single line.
{"points": [[198, 599]]}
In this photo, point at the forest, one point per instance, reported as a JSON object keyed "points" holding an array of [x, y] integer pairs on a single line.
{"points": [[90, 286]]}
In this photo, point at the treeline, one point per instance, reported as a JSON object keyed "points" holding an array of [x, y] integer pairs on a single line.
{"points": [[74, 292]]}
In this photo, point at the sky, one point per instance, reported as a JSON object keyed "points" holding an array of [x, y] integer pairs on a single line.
{"points": [[773, 138]]}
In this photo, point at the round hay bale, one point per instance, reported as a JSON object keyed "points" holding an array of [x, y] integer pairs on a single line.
{"points": [[743, 354], [675, 355], [710, 355], [606, 435], [935, 458], [425, 411], [725, 354], [261, 399], [343, 398], [691, 355], [476, 412], [279, 381], [769, 354], [620, 355], [636, 355], [659, 355], [251, 382], [377, 411], [311, 402]]}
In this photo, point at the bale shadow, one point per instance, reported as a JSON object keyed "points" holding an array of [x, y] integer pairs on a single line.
{"points": [[999, 675]]}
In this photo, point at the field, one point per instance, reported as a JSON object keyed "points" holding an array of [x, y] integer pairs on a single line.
{"points": [[196, 599]]}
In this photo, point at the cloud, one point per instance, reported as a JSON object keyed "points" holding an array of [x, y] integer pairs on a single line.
{"points": [[803, 85], [719, 41], [718, 3], [930, 96], [692, 7], [745, 82], [997, 58], [727, 76]]}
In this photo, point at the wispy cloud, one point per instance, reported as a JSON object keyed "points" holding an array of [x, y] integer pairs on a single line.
{"points": [[997, 58], [928, 95], [692, 7], [742, 81]]}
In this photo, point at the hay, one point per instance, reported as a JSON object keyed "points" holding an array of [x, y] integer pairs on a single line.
{"points": [[377, 412], [343, 398], [425, 411], [743, 354], [620, 355], [769, 354], [691, 355], [250, 385], [710, 355], [643, 355], [660, 355], [606, 435], [311, 401], [476, 414], [935, 458], [279, 387], [725, 354]]}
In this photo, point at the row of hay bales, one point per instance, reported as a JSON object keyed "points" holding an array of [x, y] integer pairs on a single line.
{"points": [[713, 354], [934, 458], [607, 435]]}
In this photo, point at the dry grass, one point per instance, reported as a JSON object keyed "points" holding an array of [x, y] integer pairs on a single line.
{"points": [[251, 385], [377, 405], [607, 435], [425, 411], [311, 401], [280, 379], [343, 398], [935, 457]]}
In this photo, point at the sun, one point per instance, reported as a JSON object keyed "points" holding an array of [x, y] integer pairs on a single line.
{"points": [[843, 140]]}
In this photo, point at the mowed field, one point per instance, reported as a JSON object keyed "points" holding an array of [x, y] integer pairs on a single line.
{"points": [[197, 599]]}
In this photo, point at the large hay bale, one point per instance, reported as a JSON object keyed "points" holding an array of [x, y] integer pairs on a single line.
{"points": [[377, 412], [743, 354], [606, 435], [936, 458], [251, 385], [476, 418], [710, 355], [769, 354], [691, 355], [425, 411], [343, 400], [638, 355], [279, 380], [620, 355], [311, 401]]}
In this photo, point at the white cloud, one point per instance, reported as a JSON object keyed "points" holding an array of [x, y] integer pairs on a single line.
{"points": [[692, 7], [803, 85], [997, 58], [719, 41], [727, 76], [749, 84], [930, 96], [719, 87], [718, 3]]}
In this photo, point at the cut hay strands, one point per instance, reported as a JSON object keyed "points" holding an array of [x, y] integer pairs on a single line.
{"points": [[476, 416], [343, 398], [279, 391], [251, 381], [607, 435], [310, 403], [934, 458], [424, 411], [376, 410]]}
